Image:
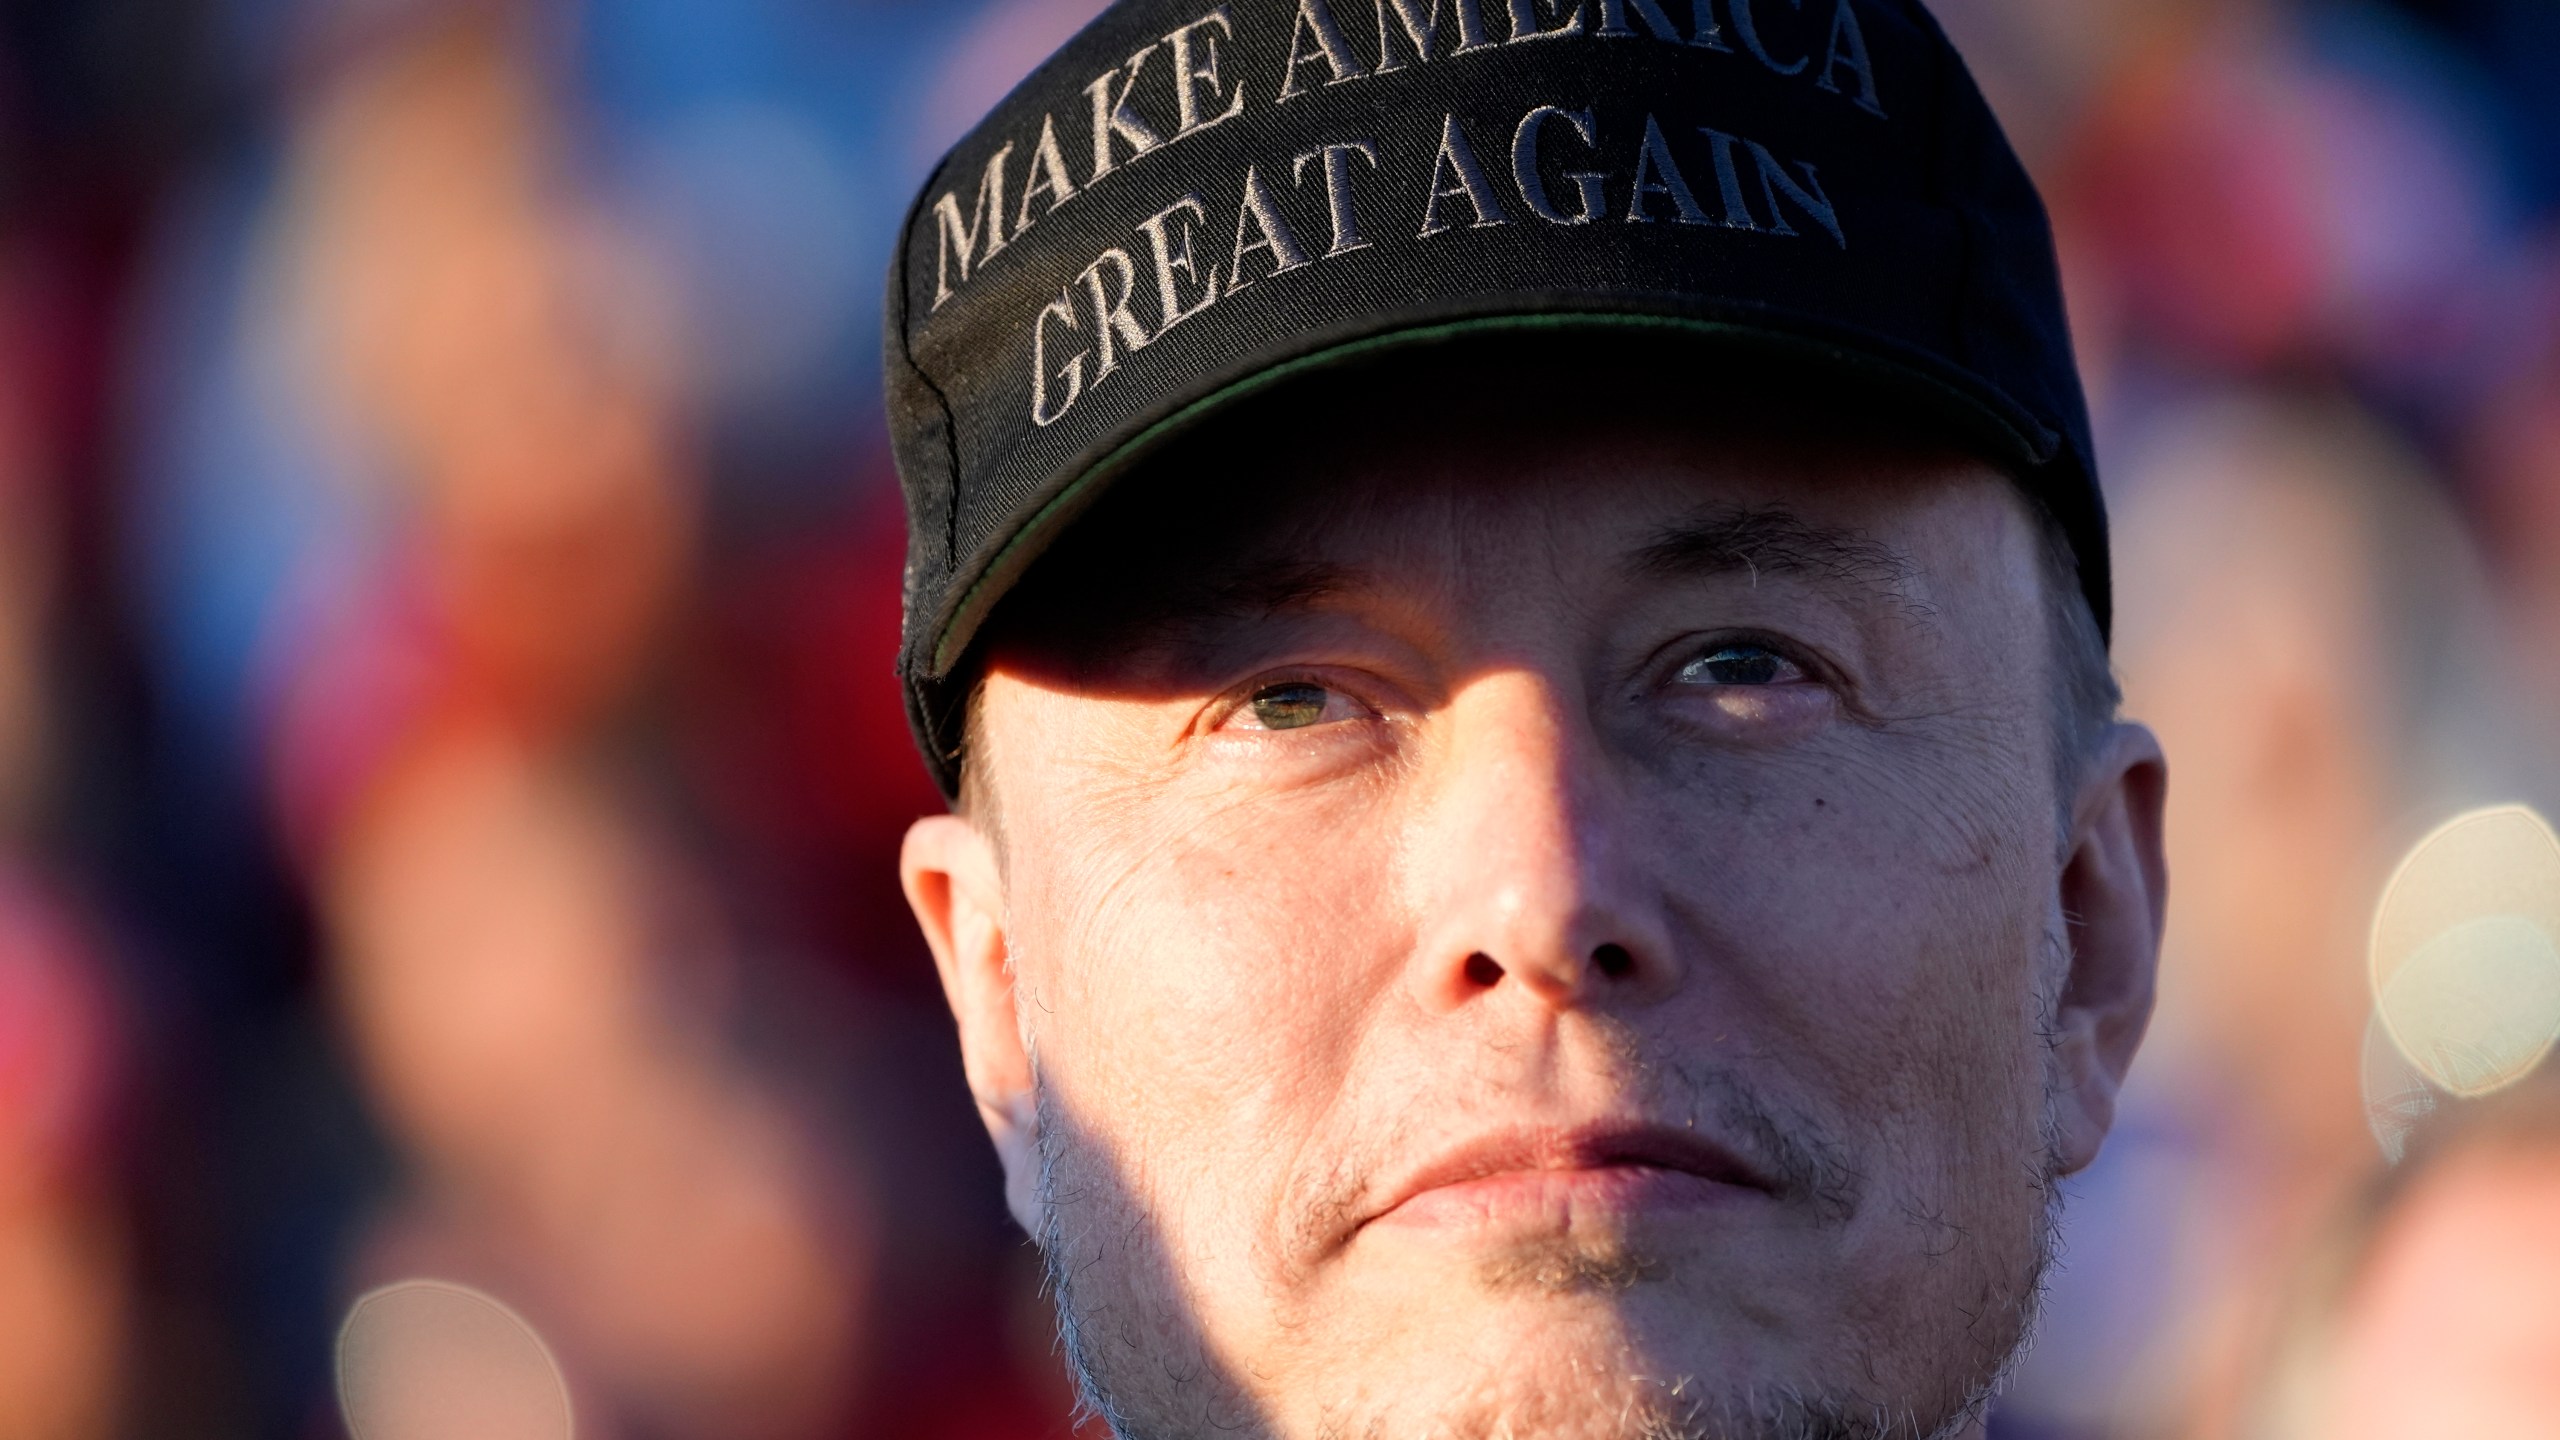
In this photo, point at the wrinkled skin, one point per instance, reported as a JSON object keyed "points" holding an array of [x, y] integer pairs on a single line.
{"points": [[1494, 781]]}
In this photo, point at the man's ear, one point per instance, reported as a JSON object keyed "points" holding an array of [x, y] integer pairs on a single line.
{"points": [[956, 888], [2115, 890]]}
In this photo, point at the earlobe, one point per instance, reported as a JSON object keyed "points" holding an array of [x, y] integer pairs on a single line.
{"points": [[956, 888], [2114, 894]]}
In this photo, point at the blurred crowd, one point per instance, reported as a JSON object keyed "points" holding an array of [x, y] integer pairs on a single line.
{"points": [[451, 774]]}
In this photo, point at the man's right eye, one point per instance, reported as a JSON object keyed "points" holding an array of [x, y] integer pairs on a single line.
{"points": [[1291, 705]]}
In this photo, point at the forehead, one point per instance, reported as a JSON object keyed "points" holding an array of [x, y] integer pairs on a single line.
{"points": [[1442, 488]]}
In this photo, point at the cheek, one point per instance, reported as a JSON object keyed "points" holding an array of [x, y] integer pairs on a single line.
{"points": [[1882, 969], [1884, 926], [1203, 986]]}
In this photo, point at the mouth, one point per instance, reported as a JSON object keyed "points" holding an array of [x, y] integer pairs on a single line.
{"points": [[1558, 1174]]}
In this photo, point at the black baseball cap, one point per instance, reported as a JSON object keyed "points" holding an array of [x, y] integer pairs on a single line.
{"points": [[1194, 202]]}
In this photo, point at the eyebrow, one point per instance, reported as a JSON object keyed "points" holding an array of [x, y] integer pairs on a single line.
{"points": [[1181, 611], [1772, 540], [1270, 587]]}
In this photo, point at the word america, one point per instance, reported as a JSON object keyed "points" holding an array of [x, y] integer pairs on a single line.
{"points": [[1191, 86], [1101, 305]]}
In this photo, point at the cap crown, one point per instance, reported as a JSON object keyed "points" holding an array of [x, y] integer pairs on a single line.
{"points": [[1192, 199]]}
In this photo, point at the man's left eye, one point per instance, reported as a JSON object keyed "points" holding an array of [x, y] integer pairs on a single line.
{"points": [[1741, 664]]}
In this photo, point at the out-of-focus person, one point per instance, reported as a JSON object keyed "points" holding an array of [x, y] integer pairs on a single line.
{"points": [[526, 964], [2264, 542], [529, 971], [2295, 270], [2435, 1307]]}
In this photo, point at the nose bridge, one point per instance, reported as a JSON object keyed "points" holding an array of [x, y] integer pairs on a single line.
{"points": [[1521, 862], [1517, 783]]}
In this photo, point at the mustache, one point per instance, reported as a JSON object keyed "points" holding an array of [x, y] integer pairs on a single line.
{"points": [[1805, 1163], [1799, 1162]]}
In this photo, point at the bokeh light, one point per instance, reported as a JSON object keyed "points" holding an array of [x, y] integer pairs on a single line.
{"points": [[429, 1360], [2466, 951]]}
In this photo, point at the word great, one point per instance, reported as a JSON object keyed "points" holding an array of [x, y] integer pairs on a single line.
{"points": [[1120, 304]]}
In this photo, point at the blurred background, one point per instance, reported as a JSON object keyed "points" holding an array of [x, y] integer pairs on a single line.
{"points": [[450, 770]]}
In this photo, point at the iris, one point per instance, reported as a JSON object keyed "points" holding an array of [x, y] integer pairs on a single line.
{"points": [[1737, 665], [1290, 706]]}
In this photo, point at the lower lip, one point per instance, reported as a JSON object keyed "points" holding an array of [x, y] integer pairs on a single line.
{"points": [[1561, 1196]]}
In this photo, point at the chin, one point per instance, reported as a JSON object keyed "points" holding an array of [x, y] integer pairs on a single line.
{"points": [[1611, 1343], [1582, 1382], [1582, 1347]]}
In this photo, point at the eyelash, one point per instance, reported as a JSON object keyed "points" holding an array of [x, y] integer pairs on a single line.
{"points": [[1676, 658], [1689, 651]]}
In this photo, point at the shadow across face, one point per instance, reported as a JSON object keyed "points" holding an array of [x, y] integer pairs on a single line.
{"points": [[1530, 902]]}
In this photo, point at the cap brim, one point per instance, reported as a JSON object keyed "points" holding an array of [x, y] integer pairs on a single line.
{"points": [[2000, 432]]}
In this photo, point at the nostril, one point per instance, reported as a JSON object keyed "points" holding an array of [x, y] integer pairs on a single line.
{"points": [[1613, 961], [1483, 970]]}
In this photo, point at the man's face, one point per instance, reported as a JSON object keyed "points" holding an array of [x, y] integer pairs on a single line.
{"points": [[1542, 933]]}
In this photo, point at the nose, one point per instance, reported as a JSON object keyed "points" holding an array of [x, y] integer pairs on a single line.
{"points": [[1525, 863]]}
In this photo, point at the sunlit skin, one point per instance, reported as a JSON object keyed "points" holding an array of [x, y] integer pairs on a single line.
{"points": [[1565, 935]]}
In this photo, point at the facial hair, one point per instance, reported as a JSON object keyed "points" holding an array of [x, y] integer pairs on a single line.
{"points": [[1107, 1345]]}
